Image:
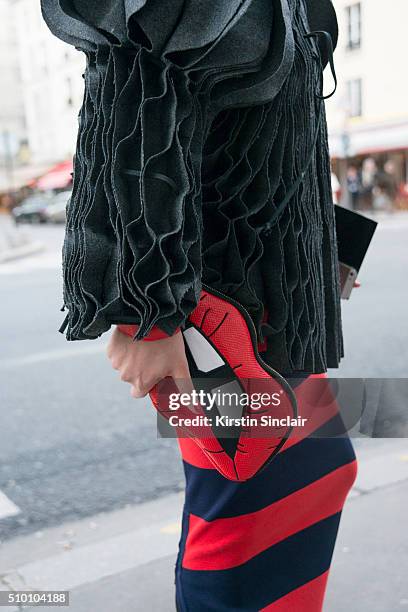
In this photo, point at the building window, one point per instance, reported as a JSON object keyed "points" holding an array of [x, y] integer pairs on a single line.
{"points": [[354, 98], [353, 13]]}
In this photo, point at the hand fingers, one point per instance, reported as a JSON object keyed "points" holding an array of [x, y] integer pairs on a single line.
{"points": [[141, 389], [117, 349], [137, 393], [125, 375], [117, 360]]}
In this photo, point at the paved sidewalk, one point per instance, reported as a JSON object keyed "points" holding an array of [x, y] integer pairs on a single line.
{"points": [[107, 562], [124, 561]]}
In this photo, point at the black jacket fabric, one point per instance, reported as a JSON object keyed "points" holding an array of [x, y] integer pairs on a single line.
{"points": [[197, 118]]}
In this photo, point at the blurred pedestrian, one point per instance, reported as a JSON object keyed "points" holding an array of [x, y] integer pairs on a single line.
{"points": [[353, 186], [368, 178], [386, 188]]}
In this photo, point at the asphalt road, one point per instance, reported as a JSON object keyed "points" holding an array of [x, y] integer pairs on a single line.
{"points": [[72, 441]]}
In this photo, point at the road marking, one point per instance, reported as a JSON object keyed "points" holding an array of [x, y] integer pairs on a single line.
{"points": [[45, 261], [51, 356], [7, 507]]}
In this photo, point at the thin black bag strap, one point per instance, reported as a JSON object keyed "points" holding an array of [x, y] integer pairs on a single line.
{"points": [[319, 95], [329, 43]]}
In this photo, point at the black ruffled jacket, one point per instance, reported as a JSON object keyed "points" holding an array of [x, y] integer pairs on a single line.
{"points": [[198, 117]]}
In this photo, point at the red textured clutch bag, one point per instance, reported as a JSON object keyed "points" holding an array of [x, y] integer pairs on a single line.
{"points": [[240, 435]]}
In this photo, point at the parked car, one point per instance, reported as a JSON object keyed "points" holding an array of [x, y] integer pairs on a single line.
{"points": [[32, 210], [56, 209]]}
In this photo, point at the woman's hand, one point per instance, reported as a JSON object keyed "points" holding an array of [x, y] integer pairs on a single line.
{"points": [[144, 364]]}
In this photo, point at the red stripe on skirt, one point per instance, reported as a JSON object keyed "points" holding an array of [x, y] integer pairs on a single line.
{"points": [[306, 598], [227, 542]]}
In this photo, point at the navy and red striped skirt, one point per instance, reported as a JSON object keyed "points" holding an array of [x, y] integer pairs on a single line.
{"points": [[267, 543]]}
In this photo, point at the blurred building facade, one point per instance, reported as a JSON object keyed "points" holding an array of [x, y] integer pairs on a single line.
{"points": [[368, 116], [52, 86], [12, 119]]}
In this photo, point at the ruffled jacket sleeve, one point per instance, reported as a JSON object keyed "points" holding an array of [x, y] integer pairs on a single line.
{"points": [[157, 74]]}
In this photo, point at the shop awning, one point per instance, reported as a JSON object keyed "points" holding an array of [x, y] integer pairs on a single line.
{"points": [[57, 177], [366, 139]]}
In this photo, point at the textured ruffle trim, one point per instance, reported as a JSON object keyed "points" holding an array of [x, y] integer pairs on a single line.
{"points": [[132, 247]]}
